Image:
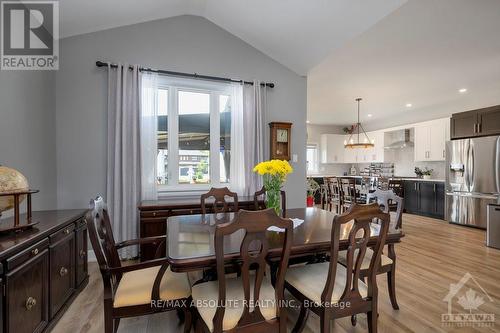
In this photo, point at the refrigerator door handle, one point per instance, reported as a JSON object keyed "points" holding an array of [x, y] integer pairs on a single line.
{"points": [[472, 165]]}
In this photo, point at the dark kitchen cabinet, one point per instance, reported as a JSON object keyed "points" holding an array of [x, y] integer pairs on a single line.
{"points": [[482, 122], [424, 198]]}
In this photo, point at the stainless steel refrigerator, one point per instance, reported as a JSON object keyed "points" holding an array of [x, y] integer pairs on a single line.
{"points": [[472, 179]]}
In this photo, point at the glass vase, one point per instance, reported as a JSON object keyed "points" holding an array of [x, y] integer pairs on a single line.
{"points": [[273, 200]]}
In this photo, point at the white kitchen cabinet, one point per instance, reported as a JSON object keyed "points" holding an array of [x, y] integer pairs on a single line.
{"points": [[430, 140], [366, 155], [332, 148]]}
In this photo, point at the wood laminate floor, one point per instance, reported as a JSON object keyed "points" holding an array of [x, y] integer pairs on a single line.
{"points": [[433, 255]]}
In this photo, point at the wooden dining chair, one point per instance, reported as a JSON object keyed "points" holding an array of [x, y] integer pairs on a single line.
{"points": [[219, 205], [347, 193], [326, 288], [256, 306], [136, 289], [334, 194], [387, 262], [260, 204]]}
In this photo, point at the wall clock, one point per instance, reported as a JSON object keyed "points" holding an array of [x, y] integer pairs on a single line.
{"points": [[280, 140]]}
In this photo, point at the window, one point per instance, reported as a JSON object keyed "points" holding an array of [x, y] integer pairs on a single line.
{"points": [[194, 134], [312, 158]]}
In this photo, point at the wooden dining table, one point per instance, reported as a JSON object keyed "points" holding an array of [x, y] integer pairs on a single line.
{"points": [[191, 247]]}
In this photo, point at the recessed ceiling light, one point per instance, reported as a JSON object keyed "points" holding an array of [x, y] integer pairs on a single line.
{"points": [[369, 115], [409, 105], [307, 121], [463, 90]]}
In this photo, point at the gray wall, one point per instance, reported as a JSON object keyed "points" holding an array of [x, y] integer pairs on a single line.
{"points": [[185, 43], [27, 130]]}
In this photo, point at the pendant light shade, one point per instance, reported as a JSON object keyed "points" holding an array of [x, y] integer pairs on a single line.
{"points": [[358, 138]]}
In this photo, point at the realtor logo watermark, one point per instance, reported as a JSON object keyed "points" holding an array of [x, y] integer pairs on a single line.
{"points": [[464, 301], [29, 35]]}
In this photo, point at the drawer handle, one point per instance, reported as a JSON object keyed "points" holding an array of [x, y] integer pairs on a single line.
{"points": [[34, 251], [30, 303], [82, 254], [63, 271], [154, 213], [66, 231]]}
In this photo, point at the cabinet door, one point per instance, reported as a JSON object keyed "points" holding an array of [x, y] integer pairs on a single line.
{"points": [[489, 121], [151, 227], [332, 148], [427, 198], [422, 143], [437, 140], [410, 196], [81, 255], [62, 271], [440, 199], [463, 125], [27, 296]]}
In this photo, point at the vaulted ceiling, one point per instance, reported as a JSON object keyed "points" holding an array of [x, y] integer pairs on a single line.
{"points": [[297, 33]]}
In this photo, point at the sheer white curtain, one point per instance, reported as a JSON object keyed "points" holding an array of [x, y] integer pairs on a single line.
{"points": [[238, 169], [149, 128], [254, 117], [123, 179]]}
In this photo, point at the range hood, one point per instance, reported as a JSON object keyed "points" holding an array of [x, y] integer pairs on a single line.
{"points": [[402, 140]]}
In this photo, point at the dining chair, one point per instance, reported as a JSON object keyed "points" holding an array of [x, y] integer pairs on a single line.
{"points": [[347, 193], [387, 262], [136, 289], [333, 291], [334, 194], [255, 305], [219, 205], [260, 204]]}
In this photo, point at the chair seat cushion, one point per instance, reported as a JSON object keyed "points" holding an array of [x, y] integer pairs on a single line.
{"points": [[135, 287], [365, 265], [310, 280], [205, 297]]}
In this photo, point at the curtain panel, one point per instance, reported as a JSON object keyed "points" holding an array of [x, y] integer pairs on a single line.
{"points": [[123, 184]]}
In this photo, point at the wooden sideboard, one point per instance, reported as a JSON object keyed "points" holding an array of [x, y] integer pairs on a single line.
{"points": [[154, 215], [42, 270]]}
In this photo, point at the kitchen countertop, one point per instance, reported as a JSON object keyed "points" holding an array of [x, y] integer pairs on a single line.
{"points": [[437, 180]]}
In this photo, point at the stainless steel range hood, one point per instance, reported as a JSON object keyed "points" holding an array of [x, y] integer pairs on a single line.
{"points": [[402, 140]]}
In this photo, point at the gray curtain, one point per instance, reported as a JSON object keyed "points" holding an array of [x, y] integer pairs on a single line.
{"points": [[254, 116], [123, 165]]}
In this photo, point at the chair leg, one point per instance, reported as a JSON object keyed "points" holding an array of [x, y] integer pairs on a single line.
{"points": [[324, 323], [108, 319], [116, 323], [354, 320], [391, 284], [301, 321], [372, 322]]}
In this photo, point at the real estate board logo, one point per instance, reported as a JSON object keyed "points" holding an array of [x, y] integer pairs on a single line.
{"points": [[464, 301], [30, 35]]}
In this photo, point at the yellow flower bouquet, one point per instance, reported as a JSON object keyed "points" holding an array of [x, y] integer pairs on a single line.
{"points": [[274, 173]]}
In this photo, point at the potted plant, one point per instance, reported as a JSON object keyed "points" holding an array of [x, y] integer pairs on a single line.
{"points": [[425, 173], [312, 187], [274, 173]]}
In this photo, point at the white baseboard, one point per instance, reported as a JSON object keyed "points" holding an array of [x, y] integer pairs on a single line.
{"points": [[91, 256]]}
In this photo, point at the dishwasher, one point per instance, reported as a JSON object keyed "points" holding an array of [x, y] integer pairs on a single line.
{"points": [[493, 226]]}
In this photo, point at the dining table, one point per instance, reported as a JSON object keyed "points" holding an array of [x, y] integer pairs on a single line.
{"points": [[191, 246]]}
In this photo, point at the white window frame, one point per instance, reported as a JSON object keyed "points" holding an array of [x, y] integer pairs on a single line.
{"points": [[215, 89], [315, 168]]}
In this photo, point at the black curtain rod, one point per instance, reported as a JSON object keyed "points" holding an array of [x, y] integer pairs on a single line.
{"points": [[195, 76]]}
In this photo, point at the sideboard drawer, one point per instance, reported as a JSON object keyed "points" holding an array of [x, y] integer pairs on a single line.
{"points": [[62, 271], [27, 297], [64, 232], [27, 254]]}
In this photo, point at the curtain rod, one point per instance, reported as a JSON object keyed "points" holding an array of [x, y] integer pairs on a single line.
{"points": [[195, 76]]}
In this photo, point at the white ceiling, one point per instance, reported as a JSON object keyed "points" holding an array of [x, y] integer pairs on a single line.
{"points": [[296, 33], [421, 54]]}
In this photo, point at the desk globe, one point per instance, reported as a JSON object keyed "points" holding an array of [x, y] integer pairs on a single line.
{"points": [[11, 181]]}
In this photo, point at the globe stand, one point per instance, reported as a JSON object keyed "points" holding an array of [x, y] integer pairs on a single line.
{"points": [[18, 226]]}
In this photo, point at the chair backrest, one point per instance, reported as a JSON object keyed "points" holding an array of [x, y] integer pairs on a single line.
{"points": [[220, 205], [397, 186], [253, 252], [348, 189], [334, 189], [386, 200], [101, 234], [361, 217], [261, 204], [383, 183]]}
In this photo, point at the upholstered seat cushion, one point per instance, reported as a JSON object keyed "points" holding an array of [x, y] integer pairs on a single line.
{"points": [[365, 265], [310, 280], [206, 295], [135, 287]]}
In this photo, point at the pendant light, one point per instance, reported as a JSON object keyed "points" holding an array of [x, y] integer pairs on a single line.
{"points": [[358, 138]]}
